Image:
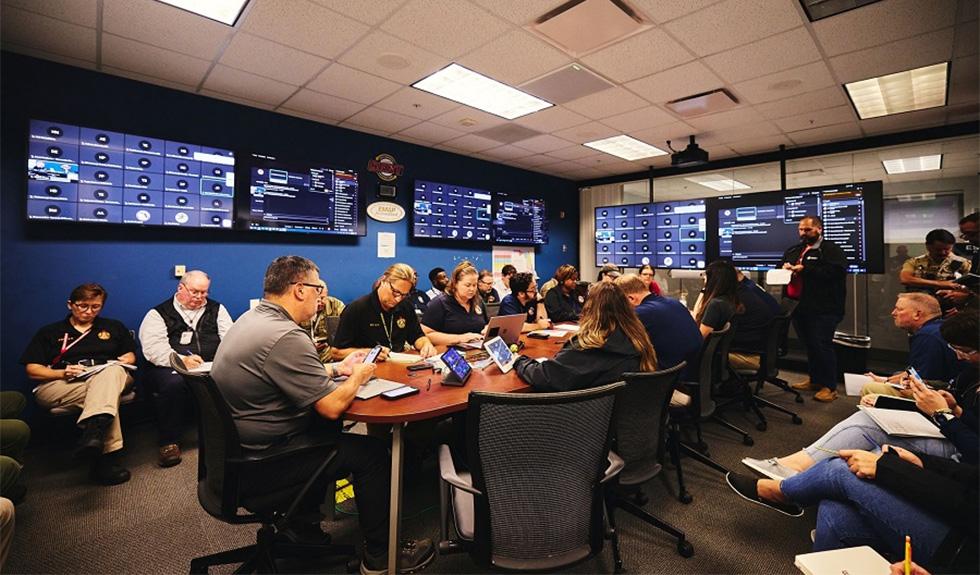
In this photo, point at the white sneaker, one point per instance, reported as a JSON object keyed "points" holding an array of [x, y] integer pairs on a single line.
{"points": [[771, 468]]}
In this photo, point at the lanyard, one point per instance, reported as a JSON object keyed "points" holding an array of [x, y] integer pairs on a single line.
{"points": [[388, 328], [65, 346]]}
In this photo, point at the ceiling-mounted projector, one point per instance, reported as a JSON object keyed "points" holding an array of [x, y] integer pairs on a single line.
{"points": [[692, 155]]}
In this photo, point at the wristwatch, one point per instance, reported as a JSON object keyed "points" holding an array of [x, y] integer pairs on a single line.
{"points": [[941, 416]]}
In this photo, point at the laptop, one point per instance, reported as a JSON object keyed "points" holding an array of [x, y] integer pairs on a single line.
{"points": [[500, 352], [507, 327]]}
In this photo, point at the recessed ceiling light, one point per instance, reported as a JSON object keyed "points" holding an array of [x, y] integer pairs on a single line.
{"points": [[906, 91], [718, 182], [224, 11], [465, 86], [625, 147], [917, 164]]}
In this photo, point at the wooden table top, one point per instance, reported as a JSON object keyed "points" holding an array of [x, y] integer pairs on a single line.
{"points": [[437, 400]]}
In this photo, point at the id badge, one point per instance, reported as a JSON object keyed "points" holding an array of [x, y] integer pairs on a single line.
{"points": [[185, 337]]}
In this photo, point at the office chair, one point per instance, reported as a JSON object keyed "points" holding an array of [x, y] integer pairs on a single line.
{"points": [[493, 309], [331, 323], [768, 371], [640, 421], [222, 463], [532, 498]]}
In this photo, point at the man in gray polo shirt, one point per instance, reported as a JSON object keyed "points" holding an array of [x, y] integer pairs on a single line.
{"points": [[268, 371]]}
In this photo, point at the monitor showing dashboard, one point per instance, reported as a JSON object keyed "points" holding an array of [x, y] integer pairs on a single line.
{"points": [[753, 230], [450, 212], [519, 220], [82, 174], [303, 197], [662, 234]]}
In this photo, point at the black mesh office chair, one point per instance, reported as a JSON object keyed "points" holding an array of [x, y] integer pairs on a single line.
{"points": [[640, 422], [768, 371], [532, 498], [221, 464], [493, 309]]}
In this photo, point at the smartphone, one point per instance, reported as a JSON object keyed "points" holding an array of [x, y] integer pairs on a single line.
{"points": [[400, 392], [372, 355], [419, 367], [915, 375]]}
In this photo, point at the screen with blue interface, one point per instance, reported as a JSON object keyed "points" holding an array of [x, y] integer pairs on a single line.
{"points": [[450, 212], [519, 220], [662, 234], [81, 174]]}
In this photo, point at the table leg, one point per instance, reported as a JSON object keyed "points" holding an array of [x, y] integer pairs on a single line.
{"points": [[395, 513]]}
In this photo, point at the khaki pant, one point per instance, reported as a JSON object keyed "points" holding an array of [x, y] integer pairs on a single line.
{"points": [[96, 395], [883, 389], [743, 361]]}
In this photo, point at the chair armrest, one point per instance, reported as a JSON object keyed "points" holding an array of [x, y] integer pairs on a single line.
{"points": [[447, 471], [616, 464]]}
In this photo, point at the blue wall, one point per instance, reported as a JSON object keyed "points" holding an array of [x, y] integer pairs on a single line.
{"points": [[42, 262]]}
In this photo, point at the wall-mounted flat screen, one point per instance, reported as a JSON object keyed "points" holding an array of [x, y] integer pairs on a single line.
{"points": [[519, 220], [753, 230], [81, 174], [303, 197], [663, 234], [450, 212]]}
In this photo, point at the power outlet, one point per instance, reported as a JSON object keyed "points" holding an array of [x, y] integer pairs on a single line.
{"points": [[179, 271]]}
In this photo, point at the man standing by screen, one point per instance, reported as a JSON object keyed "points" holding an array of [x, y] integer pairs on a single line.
{"points": [[819, 269]]}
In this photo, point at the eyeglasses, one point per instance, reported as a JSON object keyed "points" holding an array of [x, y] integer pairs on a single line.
{"points": [[395, 293], [486, 283], [196, 293], [87, 306], [317, 287], [961, 351]]}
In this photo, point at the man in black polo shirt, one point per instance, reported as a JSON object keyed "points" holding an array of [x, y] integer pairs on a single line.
{"points": [[192, 325], [524, 299], [563, 302], [383, 317]]}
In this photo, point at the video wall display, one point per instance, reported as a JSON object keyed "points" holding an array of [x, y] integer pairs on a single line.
{"points": [[450, 212], [83, 174], [303, 198], [662, 234], [755, 229], [519, 220]]}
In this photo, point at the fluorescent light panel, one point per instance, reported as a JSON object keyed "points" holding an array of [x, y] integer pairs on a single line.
{"points": [[906, 91], [917, 164], [465, 86], [718, 182], [224, 11], [626, 148]]}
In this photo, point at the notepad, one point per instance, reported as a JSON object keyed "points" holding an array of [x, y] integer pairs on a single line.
{"points": [[90, 371], [398, 357], [376, 387], [778, 277], [861, 560], [902, 423], [204, 368], [853, 382]]}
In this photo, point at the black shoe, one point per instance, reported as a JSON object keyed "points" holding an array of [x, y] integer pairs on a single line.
{"points": [[748, 488], [93, 437], [414, 554], [108, 472]]}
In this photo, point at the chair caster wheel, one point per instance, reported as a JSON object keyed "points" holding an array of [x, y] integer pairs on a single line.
{"points": [[702, 448], [685, 549], [799, 399], [762, 426], [747, 440], [353, 566], [685, 498], [797, 420]]}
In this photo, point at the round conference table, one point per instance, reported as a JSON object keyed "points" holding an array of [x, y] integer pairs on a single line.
{"points": [[433, 401]]}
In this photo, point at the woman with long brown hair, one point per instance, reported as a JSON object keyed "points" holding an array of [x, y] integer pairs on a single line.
{"points": [[611, 341], [719, 301]]}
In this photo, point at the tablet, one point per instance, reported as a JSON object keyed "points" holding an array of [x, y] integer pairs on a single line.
{"points": [[457, 365], [500, 353]]}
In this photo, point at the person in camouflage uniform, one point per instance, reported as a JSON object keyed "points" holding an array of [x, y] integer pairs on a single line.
{"points": [[937, 268], [326, 306]]}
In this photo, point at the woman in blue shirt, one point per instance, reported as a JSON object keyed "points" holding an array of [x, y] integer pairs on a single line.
{"points": [[459, 315]]}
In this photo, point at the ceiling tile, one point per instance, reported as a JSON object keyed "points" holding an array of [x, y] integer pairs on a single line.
{"points": [[536, 160], [780, 52], [519, 12], [676, 132], [506, 59], [431, 133], [730, 119], [785, 84], [471, 143], [826, 134], [759, 145], [307, 116], [416, 103], [924, 50], [351, 84], [551, 119], [882, 22], [322, 105], [640, 119], [151, 61], [817, 119], [752, 130], [733, 23], [572, 153], [543, 143], [968, 11], [81, 12], [425, 23], [680, 82], [638, 56], [249, 86], [812, 101], [164, 26], [660, 11], [45, 34], [382, 120], [467, 119], [265, 58], [236, 100], [585, 133], [369, 12], [606, 103], [148, 79], [902, 122], [507, 152], [963, 81], [966, 40], [389, 57], [303, 25]]}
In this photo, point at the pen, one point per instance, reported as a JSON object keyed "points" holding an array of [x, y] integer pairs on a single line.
{"points": [[825, 450], [908, 555]]}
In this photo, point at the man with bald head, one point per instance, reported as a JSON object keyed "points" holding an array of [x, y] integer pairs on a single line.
{"points": [[191, 325]]}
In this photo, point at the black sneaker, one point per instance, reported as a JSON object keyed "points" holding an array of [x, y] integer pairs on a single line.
{"points": [[414, 554], [107, 471], [748, 488]]}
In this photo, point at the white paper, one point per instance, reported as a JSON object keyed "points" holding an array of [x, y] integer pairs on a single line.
{"points": [[567, 327], [549, 332], [902, 423], [398, 357], [853, 382], [386, 244], [205, 367], [864, 560], [778, 277]]}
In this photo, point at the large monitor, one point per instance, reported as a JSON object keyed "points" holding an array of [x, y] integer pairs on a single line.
{"points": [[519, 220], [303, 197], [80, 174], [755, 229], [662, 234], [450, 212]]}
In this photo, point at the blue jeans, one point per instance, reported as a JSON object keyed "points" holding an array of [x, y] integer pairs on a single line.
{"points": [[861, 432], [816, 332], [856, 512]]}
